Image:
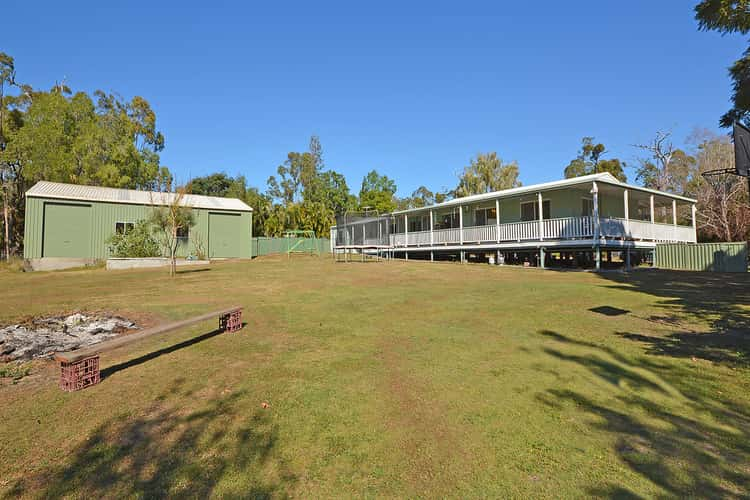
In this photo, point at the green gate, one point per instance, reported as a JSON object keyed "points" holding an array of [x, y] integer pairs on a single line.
{"points": [[268, 246]]}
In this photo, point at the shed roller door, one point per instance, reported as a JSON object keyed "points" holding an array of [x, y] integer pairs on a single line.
{"points": [[67, 230], [224, 235]]}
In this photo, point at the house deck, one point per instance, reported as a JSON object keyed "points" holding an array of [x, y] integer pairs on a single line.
{"points": [[585, 214]]}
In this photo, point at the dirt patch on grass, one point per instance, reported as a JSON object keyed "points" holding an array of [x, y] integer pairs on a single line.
{"points": [[426, 439]]}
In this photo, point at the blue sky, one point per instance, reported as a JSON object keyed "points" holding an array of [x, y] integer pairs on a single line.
{"points": [[412, 89]]}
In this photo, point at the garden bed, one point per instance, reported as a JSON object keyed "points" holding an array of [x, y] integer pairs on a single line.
{"points": [[141, 262]]}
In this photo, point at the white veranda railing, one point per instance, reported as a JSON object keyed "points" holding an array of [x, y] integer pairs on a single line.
{"points": [[565, 228]]}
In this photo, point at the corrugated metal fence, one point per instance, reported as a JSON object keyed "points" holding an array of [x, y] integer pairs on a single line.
{"points": [[267, 246], [716, 257]]}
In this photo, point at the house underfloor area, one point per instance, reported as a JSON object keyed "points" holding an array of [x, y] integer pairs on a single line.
{"points": [[611, 255]]}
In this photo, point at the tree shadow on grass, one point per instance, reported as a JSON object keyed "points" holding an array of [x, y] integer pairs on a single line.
{"points": [[687, 441], [169, 452], [718, 299], [729, 348]]}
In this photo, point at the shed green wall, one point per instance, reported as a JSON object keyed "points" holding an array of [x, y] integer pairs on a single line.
{"points": [[101, 221]]}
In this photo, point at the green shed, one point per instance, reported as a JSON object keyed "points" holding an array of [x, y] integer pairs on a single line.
{"points": [[74, 222]]}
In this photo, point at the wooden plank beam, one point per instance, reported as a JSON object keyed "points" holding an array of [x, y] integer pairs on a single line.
{"points": [[87, 352]]}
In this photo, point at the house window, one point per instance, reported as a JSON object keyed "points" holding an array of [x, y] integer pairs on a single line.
{"points": [[484, 216], [530, 210], [123, 227], [183, 234], [587, 207]]}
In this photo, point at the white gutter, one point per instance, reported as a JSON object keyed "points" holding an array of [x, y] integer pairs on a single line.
{"points": [[605, 178]]}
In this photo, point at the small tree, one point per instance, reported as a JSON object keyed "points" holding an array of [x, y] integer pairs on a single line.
{"points": [[171, 218], [138, 241]]}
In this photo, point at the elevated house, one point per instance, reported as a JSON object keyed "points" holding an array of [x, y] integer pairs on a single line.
{"points": [[582, 221]]}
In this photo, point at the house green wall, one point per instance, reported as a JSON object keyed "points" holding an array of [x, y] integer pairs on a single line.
{"points": [[563, 203], [80, 229]]}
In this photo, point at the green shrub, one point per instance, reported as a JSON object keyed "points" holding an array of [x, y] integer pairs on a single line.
{"points": [[138, 241]]}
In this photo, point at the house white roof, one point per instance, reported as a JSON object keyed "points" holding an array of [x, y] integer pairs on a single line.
{"points": [[604, 177], [60, 191]]}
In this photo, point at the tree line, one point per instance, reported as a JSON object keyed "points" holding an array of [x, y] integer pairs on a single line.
{"points": [[102, 139], [105, 140], [305, 194], [722, 201], [58, 135]]}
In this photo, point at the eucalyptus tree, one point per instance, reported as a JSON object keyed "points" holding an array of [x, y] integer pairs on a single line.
{"points": [[665, 168], [7, 75], [487, 173], [590, 161], [377, 192], [304, 194], [65, 136]]}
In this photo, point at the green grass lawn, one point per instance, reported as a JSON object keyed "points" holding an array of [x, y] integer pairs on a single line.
{"points": [[392, 379]]}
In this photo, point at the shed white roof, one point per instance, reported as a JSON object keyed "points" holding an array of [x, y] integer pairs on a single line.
{"points": [[60, 191], [602, 177]]}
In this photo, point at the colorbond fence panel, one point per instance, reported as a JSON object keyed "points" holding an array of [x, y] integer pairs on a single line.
{"points": [[268, 246], [716, 257]]}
